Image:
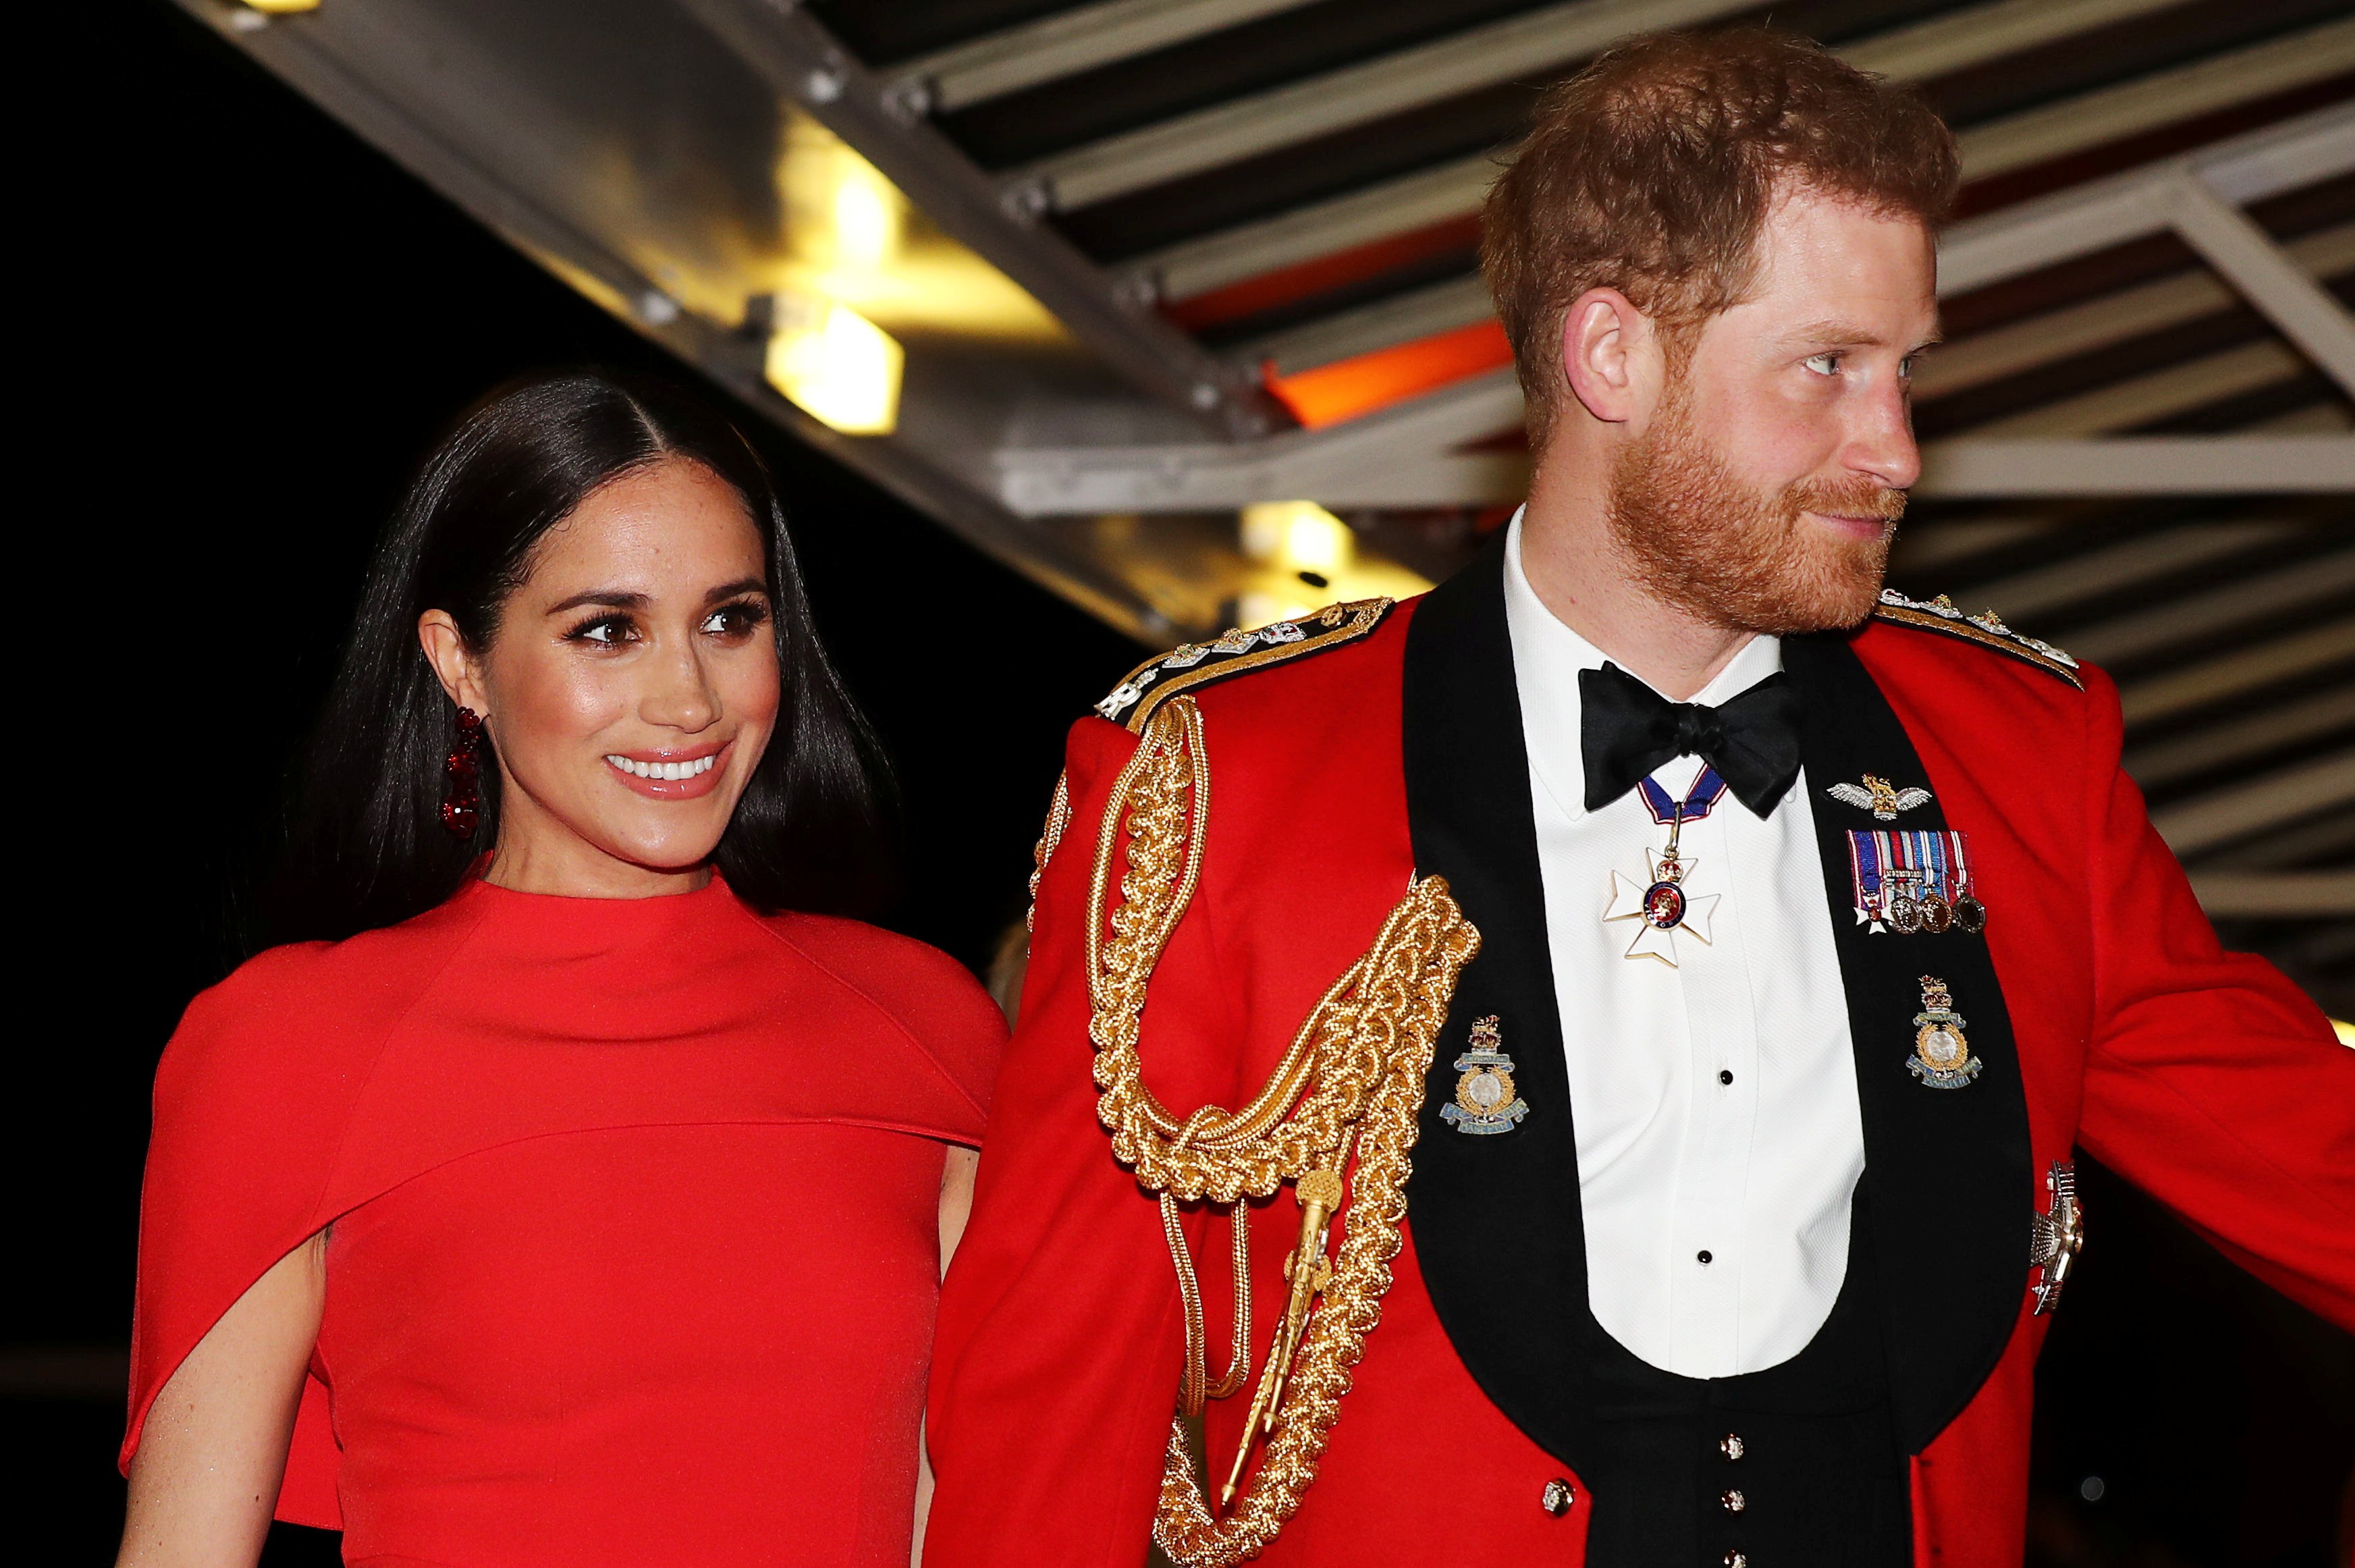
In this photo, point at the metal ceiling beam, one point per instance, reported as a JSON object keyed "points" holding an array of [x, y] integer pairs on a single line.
{"points": [[2178, 620], [1452, 191], [2241, 736], [2275, 895], [2179, 196], [2164, 98], [2237, 673], [2141, 465], [1447, 193], [1420, 312], [2170, 393], [1064, 44], [804, 63], [1518, 46], [2110, 319], [2273, 282], [2127, 564], [2240, 810], [2288, 848], [1960, 39], [2093, 217], [1401, 455]]}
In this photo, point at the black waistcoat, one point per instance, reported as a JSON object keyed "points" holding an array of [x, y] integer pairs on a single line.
{"points": [[1939, 1261], [1793, 1464]]}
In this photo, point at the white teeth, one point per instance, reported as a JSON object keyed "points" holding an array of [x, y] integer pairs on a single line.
{"points": [[662, 770]]}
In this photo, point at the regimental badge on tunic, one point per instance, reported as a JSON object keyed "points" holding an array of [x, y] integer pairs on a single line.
{"points": [[1485, 1100], [1941, 1054], [1915, 880], [2057, 1235], [1879, 796]]}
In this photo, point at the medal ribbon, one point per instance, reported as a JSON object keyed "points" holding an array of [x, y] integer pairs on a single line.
{"points": [[1935, 860], [1699, 801]]}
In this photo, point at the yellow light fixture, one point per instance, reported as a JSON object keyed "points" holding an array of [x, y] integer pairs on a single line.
{"points": [[840, 212], [281, 7], [836, 366], [1297, 536]]}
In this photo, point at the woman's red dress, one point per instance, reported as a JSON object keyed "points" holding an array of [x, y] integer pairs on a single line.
{"points": [[632, 1207]]}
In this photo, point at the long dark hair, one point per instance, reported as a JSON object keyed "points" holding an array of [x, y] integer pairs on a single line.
{"points": [[365, 847]]}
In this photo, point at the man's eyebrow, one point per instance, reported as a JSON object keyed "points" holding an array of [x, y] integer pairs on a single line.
{"points": [[611, 598], [1833, 334]]}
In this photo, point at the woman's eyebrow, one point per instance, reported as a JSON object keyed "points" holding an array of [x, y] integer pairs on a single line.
{"points": [[613, 598], [731, 589]]}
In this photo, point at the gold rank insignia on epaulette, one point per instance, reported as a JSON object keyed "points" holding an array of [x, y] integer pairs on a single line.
{"points": [[1159, 679], [1945, 617]]}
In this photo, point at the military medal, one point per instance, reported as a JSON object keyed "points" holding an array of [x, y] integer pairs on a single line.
{"points": [[1879, 796], [2059, 1235], [1915, 880], [1941, 1054], [1485, 1100], [1659, 905]]}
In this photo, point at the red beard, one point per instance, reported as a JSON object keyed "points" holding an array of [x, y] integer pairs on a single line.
{"points": [[1737, 556]]}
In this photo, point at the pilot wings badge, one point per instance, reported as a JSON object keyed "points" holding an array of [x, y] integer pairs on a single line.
{"points": [[1879, 796], [1485, 1100]]}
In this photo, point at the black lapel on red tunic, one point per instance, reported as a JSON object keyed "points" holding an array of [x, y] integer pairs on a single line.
{"points": [[1495, 1218], [1948, 1169]]}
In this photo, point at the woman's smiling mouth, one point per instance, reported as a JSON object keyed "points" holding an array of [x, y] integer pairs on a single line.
{"points": [[673, 775]]}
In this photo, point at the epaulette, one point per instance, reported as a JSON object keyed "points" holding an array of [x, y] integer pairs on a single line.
{"points": [[1945, 617], [1159, 679]]}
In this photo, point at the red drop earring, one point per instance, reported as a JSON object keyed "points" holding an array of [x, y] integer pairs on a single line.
{"points": [[462, 798]]}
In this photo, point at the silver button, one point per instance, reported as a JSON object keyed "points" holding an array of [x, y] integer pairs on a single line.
{"points": [[1734, 1502], [1730, 1447], [1558, 1497]]}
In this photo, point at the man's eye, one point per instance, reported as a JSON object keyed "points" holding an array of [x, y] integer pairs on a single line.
{"points": [[1823, 364]]}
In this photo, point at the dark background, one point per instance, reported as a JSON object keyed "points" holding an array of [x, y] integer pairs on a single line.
{"points": [[236, 327]]}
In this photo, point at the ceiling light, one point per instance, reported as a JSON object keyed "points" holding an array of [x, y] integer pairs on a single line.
{"points": [[836, 366], [1297, 536]]}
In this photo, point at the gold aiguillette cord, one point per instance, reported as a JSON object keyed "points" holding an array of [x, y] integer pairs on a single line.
{"points": [[1351, 1080]]}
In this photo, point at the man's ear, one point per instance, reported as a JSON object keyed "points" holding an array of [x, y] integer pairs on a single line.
{"points": [[445, 650], [1609, 355]]}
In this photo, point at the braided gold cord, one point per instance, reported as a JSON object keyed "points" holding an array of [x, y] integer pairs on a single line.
{"points": [[1059, 816], [1353, 1073]]}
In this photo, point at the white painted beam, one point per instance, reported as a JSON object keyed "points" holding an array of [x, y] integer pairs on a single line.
{"points": [[2275, 895], [2237, 673], [2307, 315], [2242, 735], [2141, 465], [2164, 98], [1065, 43], [1517, 46], [2240, 810], [2093, 217]]}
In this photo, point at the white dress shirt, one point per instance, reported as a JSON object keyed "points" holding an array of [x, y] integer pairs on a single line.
{"points": [[1715, 1101]]}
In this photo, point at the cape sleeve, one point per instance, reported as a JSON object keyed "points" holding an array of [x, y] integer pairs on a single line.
{"points": [[2210, 1080], [252, 1100]]}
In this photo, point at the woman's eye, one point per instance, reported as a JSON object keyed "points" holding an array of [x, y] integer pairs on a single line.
{"points": [[606, 632], [734, 619], [1823, 364]]}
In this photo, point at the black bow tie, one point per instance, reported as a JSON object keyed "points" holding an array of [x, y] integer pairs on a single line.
{"points": [[1627, 730]]}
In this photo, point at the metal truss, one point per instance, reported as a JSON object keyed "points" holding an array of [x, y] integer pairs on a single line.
{"points": [[801, 60]]}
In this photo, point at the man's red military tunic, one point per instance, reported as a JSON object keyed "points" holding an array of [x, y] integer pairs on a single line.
{"points": [[2120, 1026]]}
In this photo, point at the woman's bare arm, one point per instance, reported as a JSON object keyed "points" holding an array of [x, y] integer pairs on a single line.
{"points": [[205, 1479], [957, 1208]]}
